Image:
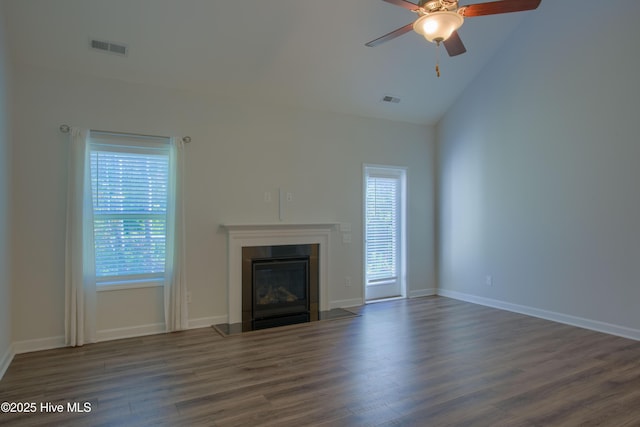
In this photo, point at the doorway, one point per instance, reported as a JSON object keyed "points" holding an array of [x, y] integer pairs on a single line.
{"points": [[384, 219]]}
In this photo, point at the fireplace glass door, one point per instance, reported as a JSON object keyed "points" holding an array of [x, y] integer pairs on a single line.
{"points": [[280, 288]]}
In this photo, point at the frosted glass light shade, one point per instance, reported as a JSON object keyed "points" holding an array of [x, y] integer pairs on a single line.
{"points": [[438, 26]]}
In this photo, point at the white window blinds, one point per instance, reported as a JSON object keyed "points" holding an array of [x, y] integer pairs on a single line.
{"points": [[129, 189], [382, 227]]}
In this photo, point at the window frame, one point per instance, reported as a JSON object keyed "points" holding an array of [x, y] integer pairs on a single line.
{"points": [[130, 144]]}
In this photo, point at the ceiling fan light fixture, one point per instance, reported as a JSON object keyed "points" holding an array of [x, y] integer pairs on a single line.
{"points": [[436, 27]]}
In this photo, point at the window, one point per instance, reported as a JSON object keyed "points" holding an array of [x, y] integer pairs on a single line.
{"points": [[130, 185], [384, 231]]}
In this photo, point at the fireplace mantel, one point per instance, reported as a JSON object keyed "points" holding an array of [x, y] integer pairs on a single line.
{"points": [[279, 226], [242, 235]]}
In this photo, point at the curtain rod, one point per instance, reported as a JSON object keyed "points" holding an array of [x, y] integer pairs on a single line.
{"points": [[67, 128]]}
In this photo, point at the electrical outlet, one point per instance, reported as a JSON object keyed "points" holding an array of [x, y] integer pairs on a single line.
{"points": [[347, 281], [267, 196], [289, 197], [488, 280]]}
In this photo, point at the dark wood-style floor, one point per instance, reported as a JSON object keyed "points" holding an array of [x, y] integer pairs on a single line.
{"points": [[426, 362]]}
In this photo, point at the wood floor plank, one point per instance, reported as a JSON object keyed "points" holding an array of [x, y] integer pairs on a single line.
{"points": [[429, 361]]}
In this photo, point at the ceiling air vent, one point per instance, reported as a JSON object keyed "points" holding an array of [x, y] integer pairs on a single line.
{"points": [[391, 99], [109, 47]]}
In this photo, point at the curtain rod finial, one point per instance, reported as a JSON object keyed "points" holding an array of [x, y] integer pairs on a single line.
{"points": [[65, 128], [186, 139]]}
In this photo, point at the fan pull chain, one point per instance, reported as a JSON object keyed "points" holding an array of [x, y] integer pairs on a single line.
{"points": [[438, 59]]}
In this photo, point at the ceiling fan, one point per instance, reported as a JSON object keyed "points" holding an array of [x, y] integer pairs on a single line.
{"points": [[439, 20]]}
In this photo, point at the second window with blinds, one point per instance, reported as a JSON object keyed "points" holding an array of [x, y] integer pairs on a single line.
{"points": [[384, 218]]}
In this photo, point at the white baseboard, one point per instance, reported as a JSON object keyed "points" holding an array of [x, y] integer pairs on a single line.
{"points": [[6, 359], [130, 332], [417, 293], [204, 322], [346, 303], [594, 325], [27, 346], [154, 328]]}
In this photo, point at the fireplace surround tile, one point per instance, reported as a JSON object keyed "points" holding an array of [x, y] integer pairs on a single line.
{"points": [[279, 285]]}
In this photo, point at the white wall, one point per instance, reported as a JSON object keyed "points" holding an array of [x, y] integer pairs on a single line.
{"points": [[5, 201], [238, 153], [539, 171]]}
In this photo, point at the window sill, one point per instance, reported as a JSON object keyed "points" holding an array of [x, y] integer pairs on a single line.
{"points": [[107, 287]]}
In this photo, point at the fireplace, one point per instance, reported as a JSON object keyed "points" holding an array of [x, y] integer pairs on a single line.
{"points": [[279, 234], [279, 285]]}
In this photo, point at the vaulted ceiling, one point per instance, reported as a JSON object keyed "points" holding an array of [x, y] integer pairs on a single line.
{"points": [[308, 54]]}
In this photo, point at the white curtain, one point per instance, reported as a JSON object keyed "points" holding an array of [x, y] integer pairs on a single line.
{"points": [[80, 285], [175, 287]]}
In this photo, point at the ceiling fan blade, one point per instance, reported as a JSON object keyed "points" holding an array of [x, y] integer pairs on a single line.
{"points": [[390, 36], [496, 7], [404, 3], [454, 45]]}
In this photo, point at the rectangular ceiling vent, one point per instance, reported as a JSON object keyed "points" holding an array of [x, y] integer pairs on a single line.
{"points": [[109, 47], [390, 98]]}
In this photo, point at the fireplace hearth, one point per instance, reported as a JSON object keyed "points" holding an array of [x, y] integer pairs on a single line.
{"points": [[279, 285]]}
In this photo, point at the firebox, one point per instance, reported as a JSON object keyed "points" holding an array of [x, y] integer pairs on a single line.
{"points": [[279, 285]]}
